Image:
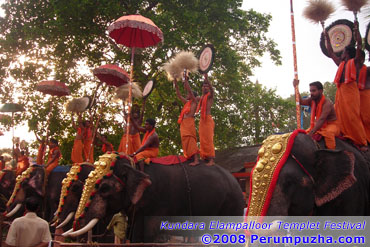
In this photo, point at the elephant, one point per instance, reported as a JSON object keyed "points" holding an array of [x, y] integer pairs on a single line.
{"points": [[33, 185], [72, 198], [318, 181], [162, 190], [7, 182]]}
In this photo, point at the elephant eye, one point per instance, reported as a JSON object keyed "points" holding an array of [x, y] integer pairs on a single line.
{"points": [[76, 187], [104, 188]]}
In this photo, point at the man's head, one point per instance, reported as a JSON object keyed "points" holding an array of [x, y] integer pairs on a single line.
{"points": [[87, 123], [206, 87], [1, 158], [32, 204], [348, 53], [22, 152], [316, 90], [104, 137], [149, 124], [135, 112], [53, 142]]}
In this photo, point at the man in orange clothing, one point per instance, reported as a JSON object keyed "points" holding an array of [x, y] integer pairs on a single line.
{"points": [[134, 141], [206, 123], [323, 119], [54, 155], [88, 142], [150, 145], [347, 99], [41, 150], [23, 163], [187, 123], [78, 146], [106, 146]]}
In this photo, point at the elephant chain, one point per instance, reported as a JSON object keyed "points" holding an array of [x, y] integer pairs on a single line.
{"points": [[187, 183]]}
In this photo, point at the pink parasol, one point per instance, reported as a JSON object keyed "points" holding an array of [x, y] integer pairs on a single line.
{"points": [[54, 88], [134, 31], [112, 75]]}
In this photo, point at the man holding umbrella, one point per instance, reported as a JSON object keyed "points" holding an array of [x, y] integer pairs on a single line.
{"points": [[54, 155]]}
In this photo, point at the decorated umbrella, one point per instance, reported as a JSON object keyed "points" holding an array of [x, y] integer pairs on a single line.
{"points": [[134, 31], [12, 107], [112, 75], [53, 88]]}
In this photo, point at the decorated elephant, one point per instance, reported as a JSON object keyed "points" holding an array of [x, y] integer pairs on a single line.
{"points": [[7, 182], [70, 195], [295, 176], [163, 190], [31, 183]]}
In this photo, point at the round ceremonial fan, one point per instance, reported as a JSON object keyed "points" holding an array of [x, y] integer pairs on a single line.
{"points": [[341, 35], [367, 38], [206, 57], [148, 88]]}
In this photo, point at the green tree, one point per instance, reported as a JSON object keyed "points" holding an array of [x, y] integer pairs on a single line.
{"points": [[66, 39]]}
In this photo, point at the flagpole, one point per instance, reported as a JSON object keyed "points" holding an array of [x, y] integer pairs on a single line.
{"points": [[298, 108]]}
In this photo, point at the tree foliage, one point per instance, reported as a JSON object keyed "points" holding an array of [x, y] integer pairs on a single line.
{"points": [[66, 39]]}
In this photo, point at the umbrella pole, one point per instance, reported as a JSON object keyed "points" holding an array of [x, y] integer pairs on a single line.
{"points": [[130, 98], [48, 129], [13, 135], [298, 108]]}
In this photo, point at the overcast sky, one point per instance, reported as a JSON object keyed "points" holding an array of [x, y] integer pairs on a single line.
{"points": [[313, 65]]}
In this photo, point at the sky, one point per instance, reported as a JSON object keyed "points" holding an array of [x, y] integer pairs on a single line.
{"points": [[313, 65]]}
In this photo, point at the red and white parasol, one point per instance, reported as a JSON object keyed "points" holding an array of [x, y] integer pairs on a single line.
{"points": [[54, 88], [112, 75], [134, 31]]}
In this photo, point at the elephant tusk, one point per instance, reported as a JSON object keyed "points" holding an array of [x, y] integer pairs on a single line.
{"points": [[66, 234], [66, 220], [15, 209], [85, 229]]}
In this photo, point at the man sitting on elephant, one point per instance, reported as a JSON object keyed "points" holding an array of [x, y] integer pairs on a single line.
{"points": [[323, 119], [150, 144], [54, 156]]}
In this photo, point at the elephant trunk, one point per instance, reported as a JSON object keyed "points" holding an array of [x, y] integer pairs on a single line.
{"points": [[66, 220], [14, 210], [85, 229]]}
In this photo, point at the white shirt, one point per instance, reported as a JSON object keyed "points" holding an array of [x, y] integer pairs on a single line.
{"points": [[27, 231]]}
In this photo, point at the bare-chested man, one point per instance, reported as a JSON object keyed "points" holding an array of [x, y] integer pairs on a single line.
{"points": [[187, 123], [206, 123], [134, 141], [323, 118], [150, 145]]}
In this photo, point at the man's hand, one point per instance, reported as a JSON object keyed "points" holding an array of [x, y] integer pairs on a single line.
{"points": [[295, 82]]}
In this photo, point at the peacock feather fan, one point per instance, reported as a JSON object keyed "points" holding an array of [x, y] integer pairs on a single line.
{"points": [[354, 5], [123, 91], [318, 10]]}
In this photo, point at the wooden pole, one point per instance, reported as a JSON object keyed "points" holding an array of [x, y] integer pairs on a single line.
{"points": [[130, 97], [298, 108]]}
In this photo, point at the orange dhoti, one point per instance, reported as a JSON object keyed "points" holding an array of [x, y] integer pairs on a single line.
{"points": [[329, 132], [347, 108], [88, 147], [77, 150], [147, 154], [188, 137], [134, 144], [206, 132], [365, 111], [22, 165]]}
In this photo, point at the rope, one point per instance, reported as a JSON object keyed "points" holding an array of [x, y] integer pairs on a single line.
{"points": [[187, 183]]}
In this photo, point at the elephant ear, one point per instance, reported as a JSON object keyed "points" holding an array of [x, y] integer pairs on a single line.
{"points": [[334, 174], [136, 181]]}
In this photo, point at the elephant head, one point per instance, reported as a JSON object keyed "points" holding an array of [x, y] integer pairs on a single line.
{"points": [[71, 193], [113, 186], [32, 183], [314, 181], [7, 182]]}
